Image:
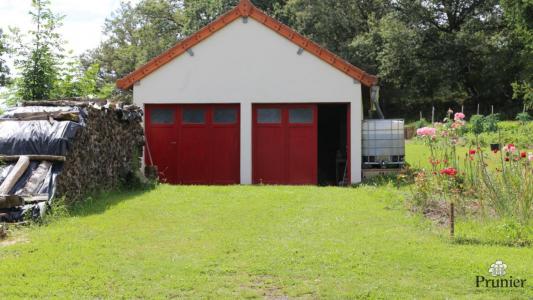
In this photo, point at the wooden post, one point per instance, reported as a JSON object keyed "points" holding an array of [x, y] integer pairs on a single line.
{"points": [[492, 109], [478, 108], [11, 201], [3, 232], [422, 117], [433, 115], [463, 109], [15, 174], [452, 220], [33, 157]]}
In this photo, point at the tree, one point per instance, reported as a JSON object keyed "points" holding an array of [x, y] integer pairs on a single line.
{"points": [[4, 70], [137, 33], [519, 16], [199, 13], [77, 82], [39, 59], [435, 52], [462, 55], [134, 35]]}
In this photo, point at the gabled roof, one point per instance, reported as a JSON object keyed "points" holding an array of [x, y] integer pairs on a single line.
{"points": [[247, 9]]}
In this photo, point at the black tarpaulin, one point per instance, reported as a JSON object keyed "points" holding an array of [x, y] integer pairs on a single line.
{"points": [[36, 137]]}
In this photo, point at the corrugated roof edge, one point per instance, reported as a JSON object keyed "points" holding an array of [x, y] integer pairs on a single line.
{"points": [[247, 9]]}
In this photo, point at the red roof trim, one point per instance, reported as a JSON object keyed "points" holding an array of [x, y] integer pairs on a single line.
{"points": [[246, 9]]}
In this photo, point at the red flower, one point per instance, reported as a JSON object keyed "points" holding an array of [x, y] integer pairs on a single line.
{"points": [[507, 159], [472, 152], [523, 154], [434, 162], [449, 172]]}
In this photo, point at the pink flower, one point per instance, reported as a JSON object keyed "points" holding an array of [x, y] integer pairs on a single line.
{"points": [[530, 156], [509, 148], [459, 116], [449, 172], [426, 131]]}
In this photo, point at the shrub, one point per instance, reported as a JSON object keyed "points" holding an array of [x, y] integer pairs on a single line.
{"points": [[476, 124], [490, 123], [421, 123], [523, 117]]}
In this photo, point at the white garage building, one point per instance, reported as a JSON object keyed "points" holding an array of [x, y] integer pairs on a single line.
{"points": [[248, 100]]}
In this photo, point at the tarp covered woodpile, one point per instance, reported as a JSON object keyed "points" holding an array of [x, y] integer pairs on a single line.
{"points": [[71, 150]]}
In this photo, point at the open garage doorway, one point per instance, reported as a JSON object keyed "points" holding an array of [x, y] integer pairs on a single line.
{"points": [[332, 144]]}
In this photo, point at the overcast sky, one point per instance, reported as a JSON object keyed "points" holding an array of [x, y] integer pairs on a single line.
{"points": [[83, 21]]}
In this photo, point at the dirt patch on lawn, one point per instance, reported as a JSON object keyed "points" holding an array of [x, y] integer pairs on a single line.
{"points": [[7, 238], [14, 240], [268, 286], [438, 212]]}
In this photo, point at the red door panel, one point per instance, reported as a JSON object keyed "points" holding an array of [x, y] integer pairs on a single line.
{"points": [[302, 160], [285, 149], [269, 156], [225, 144], [162, 136], [196, 147], [194, 155]]}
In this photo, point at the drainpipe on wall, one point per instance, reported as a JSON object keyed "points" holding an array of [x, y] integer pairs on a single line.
{"points": [[374, 99]]}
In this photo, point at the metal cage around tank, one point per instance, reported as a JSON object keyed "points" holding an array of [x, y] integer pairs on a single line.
{"points": [[383, 143]]}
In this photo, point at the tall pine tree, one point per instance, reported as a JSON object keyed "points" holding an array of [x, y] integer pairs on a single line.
{"points": [[39, 61], [4, 70]]}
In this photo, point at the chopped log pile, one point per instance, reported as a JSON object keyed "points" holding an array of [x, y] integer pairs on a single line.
{"points": [[71, 151], [103, 153]]}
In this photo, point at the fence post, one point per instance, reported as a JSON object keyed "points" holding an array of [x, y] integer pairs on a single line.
{"points": [[433, 115], [452, 220], [478, 108]]}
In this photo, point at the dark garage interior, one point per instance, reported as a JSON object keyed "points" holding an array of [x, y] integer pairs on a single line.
{"points": [[332, 138]]}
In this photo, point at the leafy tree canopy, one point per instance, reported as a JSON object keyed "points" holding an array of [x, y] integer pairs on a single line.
{"points": [[427, 53]]}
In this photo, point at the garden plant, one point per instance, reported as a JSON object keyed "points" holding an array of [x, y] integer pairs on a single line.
{"points": [[482, 182]]}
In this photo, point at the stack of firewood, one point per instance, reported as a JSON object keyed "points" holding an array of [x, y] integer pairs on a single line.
{"points": [[105, 152]]}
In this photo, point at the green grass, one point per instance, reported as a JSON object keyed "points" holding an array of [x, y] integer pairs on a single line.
{"points": [[265, 242]]}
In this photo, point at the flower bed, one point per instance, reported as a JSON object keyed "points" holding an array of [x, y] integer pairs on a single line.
{"points": [[481, 182]]}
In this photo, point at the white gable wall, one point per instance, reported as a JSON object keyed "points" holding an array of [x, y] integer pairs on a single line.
{"points": [[249, 63]]}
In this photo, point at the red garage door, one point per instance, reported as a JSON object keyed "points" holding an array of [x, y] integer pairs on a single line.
{"points": [[194, 144], [285, 144]]}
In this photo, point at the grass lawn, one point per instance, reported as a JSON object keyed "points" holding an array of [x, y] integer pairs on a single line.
{"points": [[267, 242]]}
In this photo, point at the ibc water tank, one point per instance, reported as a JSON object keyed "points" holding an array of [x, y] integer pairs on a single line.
{"points": [[383, 143]]}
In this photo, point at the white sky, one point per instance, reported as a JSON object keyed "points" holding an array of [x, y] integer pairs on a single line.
{"points": [[82, 26]]}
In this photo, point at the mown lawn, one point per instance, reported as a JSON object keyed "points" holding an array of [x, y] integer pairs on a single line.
{"points": [[267, 242]]}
